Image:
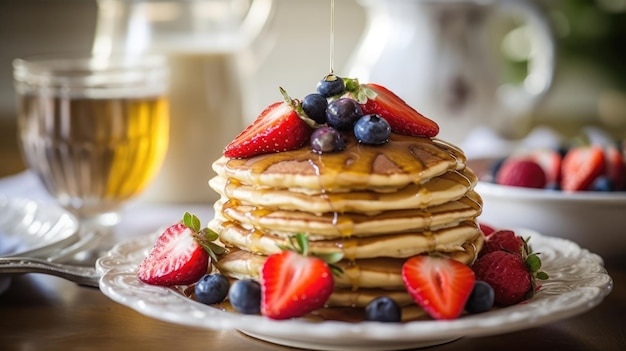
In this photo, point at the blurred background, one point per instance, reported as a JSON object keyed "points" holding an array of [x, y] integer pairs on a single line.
{"points": [[589, 85]]}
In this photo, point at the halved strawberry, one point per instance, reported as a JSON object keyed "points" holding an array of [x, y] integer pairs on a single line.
{"points": [[402, 118], [440, 285], [294, 283], [181, 254], [278, 128], [580, 166], [550, 162]]}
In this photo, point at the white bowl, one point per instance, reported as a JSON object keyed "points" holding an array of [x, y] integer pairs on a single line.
{"points": [[594, 220]]}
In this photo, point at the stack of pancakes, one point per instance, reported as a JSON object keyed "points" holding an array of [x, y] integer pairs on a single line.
{"points": [[378, 205]]}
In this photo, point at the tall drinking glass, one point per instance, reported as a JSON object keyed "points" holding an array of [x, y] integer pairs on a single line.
{"points": [[95, 131]]}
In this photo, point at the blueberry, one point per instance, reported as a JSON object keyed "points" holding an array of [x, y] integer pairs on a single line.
{"points": [[245, 296], [554, 186], [601, 183], [212, 288], [314, 105], [383, 309], [331, 85], [372, 129], [495, 167], [481, 298], [341, 114], [327, 139]]}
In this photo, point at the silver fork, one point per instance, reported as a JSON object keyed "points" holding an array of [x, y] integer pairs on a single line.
{"points": [[83, 275], [75, 263]]}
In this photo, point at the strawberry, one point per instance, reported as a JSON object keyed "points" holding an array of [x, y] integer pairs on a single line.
{"points": [[402, 118], [440, 285], [581, 165], [486, 229], [294, 283], [550, 162], [278, 128], [507, 274], [503, 240], [512, 275], [521, 172], [180, 256], [615, 167]]}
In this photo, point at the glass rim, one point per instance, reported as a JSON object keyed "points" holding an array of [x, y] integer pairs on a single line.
{"points": [[92, 75], [86, 69]]}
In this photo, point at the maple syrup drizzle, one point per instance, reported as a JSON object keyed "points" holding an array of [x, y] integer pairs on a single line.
{"points": [[332, 35], [412, 156]]}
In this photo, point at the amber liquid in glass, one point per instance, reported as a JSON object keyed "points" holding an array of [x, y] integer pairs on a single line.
{"points": [[93, 154]]}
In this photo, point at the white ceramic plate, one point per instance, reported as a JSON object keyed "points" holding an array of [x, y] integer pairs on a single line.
{"points": [[29, 228], [578, 282]]}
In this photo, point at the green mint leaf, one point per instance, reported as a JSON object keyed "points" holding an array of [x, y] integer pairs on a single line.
{"points": [[542, 275]]}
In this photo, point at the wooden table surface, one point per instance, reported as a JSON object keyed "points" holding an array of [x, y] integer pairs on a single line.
{"points": [[40, 312]]}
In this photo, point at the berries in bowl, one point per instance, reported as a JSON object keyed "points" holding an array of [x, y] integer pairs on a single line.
{"points": [[578, 193]]}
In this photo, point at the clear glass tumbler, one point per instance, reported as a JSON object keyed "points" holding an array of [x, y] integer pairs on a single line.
{"points": [[94, 130]]}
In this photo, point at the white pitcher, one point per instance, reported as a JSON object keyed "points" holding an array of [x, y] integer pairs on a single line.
{"points": [[443, 58]]}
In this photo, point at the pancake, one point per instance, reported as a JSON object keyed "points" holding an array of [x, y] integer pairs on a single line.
{"points": [[376, 273], [333, 225], [439, 190], [401, 245], [402, 161]]}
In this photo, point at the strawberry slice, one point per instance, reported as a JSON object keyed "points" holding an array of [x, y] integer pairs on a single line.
{"points": [[278, 128], [180, 256], [402, 118], [440, 285], [580, 166], [294, 283]]}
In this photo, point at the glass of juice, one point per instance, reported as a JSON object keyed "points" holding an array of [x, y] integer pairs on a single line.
{"points": [[94, 130]]}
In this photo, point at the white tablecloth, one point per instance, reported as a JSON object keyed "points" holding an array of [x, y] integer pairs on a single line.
{"points": [[138, 217]]}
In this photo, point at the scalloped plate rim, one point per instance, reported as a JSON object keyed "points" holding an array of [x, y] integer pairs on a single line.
{"points": [[369, 335]]}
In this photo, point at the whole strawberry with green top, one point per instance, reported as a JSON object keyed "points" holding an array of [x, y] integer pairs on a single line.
{"points": [[511, 273]]}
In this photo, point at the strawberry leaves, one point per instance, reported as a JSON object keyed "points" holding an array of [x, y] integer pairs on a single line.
{"points": [[205, 236], [299, 243], [533, 262]]}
